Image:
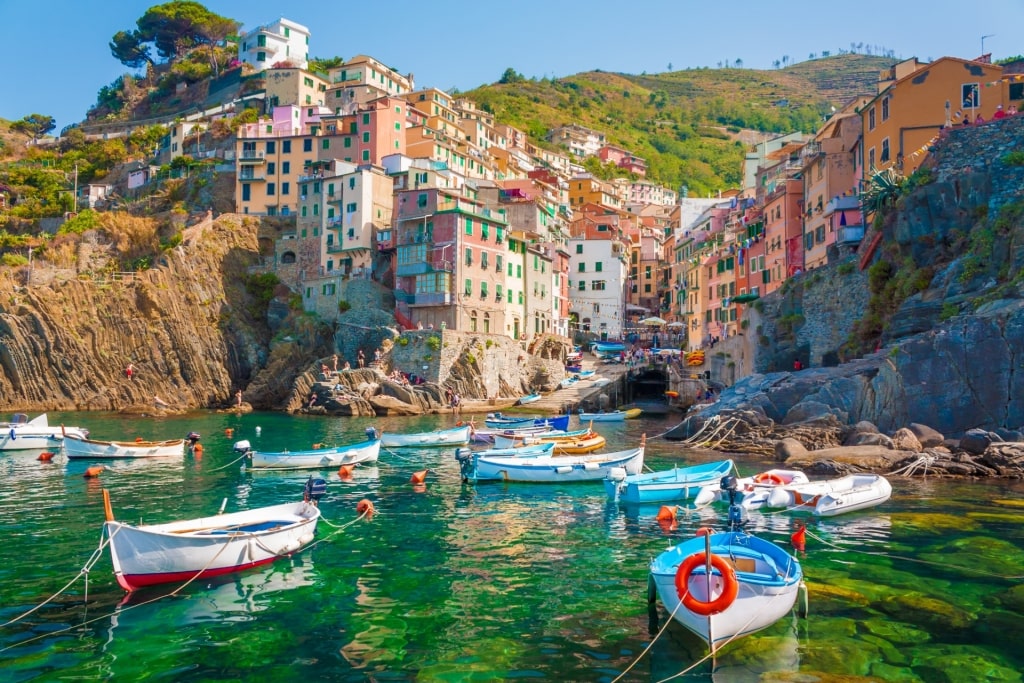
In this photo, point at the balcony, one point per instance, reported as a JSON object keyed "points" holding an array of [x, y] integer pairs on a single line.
{"points": [[431, 299], [249, 175], [250, 156], [851, 203], [408, 269], [850, 234]]}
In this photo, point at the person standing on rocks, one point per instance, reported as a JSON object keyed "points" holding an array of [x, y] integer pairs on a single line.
{"points": [[129, 371], [362, 359]]}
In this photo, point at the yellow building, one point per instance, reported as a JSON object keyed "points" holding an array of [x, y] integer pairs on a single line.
{"points": [[586, 189], [916, 100], [293, 86]]}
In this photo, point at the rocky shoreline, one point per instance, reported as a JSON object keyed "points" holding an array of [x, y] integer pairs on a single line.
{"points": [[824, 446]]}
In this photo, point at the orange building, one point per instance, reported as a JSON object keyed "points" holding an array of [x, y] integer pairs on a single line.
{"points": [[915, 100]]}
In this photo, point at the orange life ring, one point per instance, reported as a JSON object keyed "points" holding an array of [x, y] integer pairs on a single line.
{"points": [[769, 478], [730, 586]]}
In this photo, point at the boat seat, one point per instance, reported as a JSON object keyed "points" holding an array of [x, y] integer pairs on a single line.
{"points": [[743, 564]]}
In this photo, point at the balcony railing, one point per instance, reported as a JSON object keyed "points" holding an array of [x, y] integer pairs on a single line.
{"points": [[850, 234], [431, 299], [251, 156], [248, 175]]}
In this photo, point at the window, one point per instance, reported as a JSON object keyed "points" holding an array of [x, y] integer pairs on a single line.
{"points": [[579, 248], [246, 192], [271, 147], [366, 155], [307, 145], [497, 263], [261, 56], [497, 292], [469, 256], [808, 241], [598, 266], [286, 188], [583, 267], [270, 168], [469, 227], [483, 259], [348, 142], [271, 190], [366, 136], [366, 119], [483, 289], [351, 207], [1016, 91], [871, 118], [468, 291], [286, 148], [647, 289], [325, 143], [286, 167], [519, 272], [597, 285], [885, 150], [583, 285], [871, 158], [885, 108], [970, 95]]}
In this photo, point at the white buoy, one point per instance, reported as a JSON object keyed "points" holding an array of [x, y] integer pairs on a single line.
{"points": [[258, 430]]}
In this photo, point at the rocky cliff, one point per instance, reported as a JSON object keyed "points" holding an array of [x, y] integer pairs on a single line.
{"points": [[187, 325], [942, 306]]}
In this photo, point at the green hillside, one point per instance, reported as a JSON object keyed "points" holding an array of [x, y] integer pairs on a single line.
{"points": [[686, 124]]}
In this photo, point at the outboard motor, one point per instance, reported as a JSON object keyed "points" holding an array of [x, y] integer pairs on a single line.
{"points": [[314, 490], [464, 456], [243, 447], [372, 433], [737, 515], [193, 439]]}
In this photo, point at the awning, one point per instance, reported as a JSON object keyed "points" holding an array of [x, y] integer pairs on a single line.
{"points": [[634, 308], [745, 298]]}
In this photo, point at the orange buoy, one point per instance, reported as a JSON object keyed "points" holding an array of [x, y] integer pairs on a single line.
{"points": [[138, 439], [418, 477], [345, 472], [229, 431], [45, 456], [93, 471], [667, 513], [198, 448], [317, 446], [799, 539], [365, 508]]}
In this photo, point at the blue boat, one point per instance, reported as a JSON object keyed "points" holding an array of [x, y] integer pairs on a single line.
{"points": [[726, 585], [679, 483], [499, 421], [607, 348]]}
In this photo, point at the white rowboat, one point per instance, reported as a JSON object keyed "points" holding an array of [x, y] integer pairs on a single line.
{"points": [[77, 447], [152, 554], [353, 454], [458, 436]]}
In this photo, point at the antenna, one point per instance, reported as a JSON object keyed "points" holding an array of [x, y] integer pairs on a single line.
{"points": [[990, 35]]}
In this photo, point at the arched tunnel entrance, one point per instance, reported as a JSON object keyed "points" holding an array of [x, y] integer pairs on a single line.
{"points": [[647, 385]]}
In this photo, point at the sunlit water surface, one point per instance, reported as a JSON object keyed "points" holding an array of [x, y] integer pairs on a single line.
{"points": [[451, 582]]}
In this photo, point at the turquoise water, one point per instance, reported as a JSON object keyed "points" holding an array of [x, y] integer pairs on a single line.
{"points": [[493, 582]]}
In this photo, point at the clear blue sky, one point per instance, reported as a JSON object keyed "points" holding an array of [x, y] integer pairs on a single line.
{"points": [[56, 55]]}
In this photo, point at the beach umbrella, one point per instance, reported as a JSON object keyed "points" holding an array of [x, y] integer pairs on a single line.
{"points": [[653, 321], [676, 324]]}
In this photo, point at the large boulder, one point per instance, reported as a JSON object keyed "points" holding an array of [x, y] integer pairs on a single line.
{"points": [[928, 437]]}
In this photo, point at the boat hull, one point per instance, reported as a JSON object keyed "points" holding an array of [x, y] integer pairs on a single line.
{"points": [[365, 452], [556, 468], [79, 448], [35, 434], [209, 546], [833, 496], [672, 485], [445, 437], [767, 592], [617, 416]]}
